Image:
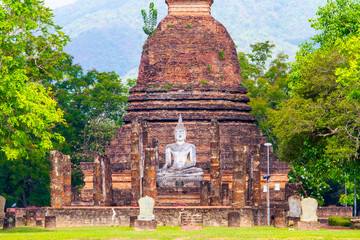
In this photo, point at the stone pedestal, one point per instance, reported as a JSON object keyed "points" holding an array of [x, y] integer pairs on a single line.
{"points": [[50, 222], [20, 221], [140, 225], [234, 220], [355, 223], [9, 221], [280, 219], [191, 222], [308, 226], [293, 221]]}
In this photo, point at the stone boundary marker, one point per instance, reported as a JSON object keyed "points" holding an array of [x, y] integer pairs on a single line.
{"points": [[191, 222], [9, 221]]}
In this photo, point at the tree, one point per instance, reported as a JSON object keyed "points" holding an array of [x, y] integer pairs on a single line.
{"points": [[94, 104], [265, 79], [150, 21], [31, 45], [322, 114]]}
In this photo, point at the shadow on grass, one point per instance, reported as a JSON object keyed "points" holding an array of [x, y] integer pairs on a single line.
{"points": [[25, 230]]}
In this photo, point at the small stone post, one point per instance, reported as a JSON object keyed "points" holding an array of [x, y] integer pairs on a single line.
{"points": [[215, 174], [9, 221], [150, 173], [257, 177], [97, 181], [60, 179], [135, 162], [239, 178], [204, 193]]}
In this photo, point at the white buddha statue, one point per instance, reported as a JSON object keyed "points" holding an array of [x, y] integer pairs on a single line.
{"points": [[184, 155]]}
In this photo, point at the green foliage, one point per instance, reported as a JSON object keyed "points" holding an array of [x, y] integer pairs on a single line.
{"points": [[336, 20], [167, 86], [94, 104], [150, 21], [31, 46], [267, 87], [188, 26], [170, 26], [209, 67], [221, 55], [204, 82], [339, 221], [221, 76], [319, 126]]}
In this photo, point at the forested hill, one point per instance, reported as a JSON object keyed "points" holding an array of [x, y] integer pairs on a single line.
{"points": [[107, 34]]}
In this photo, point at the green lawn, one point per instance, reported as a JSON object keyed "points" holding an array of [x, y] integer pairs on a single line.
{"points": [[28, 233]]}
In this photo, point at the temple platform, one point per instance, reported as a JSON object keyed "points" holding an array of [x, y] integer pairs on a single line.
{"points": [[87, 216]]}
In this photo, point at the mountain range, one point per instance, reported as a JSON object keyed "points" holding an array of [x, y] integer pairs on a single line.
{"points": [[107, 34]]}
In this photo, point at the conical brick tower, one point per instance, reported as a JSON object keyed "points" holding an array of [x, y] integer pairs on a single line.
{"points": [[189, 66]]}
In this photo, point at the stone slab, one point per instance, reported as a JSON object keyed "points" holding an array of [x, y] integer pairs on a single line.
{"points": [[294, 206], [308, 226], [309, 208], [140, 225], [146, 209]]}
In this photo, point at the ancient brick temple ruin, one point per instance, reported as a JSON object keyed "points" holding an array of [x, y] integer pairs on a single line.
{"points": [[189, 67]]}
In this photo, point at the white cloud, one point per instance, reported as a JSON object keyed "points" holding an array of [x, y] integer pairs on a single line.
{"points": [[58, 3]]}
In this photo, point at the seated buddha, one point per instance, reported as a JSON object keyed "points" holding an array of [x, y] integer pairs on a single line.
{"points": [[184, 155]]}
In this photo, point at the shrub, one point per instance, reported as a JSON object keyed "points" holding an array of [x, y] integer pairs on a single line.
{"points": [[340, 221]]}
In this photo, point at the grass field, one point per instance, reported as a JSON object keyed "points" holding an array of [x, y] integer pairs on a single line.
{"points": [[28, 233]]}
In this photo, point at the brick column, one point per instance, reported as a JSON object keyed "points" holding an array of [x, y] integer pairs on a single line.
{"points": [[225, 194], [108, 181], [60, 179], [135, 162], [239, 177], [97, 181], [204, 193], [150, 173], [67, 180], [257, 177], [215, 174]]}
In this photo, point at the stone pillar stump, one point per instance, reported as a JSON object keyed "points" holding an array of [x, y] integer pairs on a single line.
{"points": [[9, 221]]}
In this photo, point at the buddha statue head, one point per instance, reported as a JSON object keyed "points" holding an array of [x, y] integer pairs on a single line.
{"points": [[180, 131]]}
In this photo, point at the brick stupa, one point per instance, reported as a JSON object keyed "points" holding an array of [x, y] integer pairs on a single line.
{"points": [[189, 66]]}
